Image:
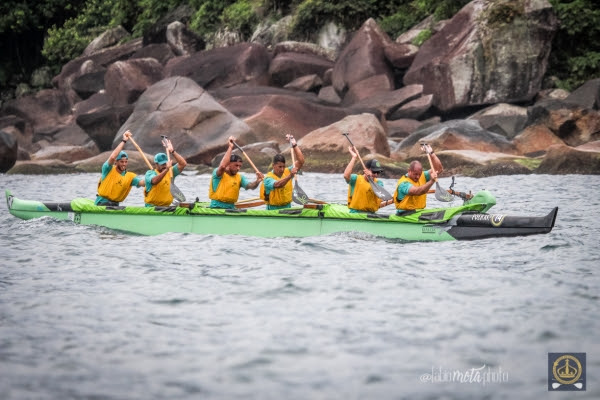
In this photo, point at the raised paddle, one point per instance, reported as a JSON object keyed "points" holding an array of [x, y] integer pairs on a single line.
{"points": [[440, 194], [298, 195], [141, 152], [247, 158], [177, 194], [378, 190]]}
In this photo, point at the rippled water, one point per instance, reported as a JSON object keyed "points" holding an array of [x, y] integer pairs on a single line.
{"points": [[88, 313]]}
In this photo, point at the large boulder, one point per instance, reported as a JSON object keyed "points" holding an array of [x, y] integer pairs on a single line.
{"points": [[387, 102], [161, 52], [125, 81], [102, 123], [457, 135], [489, 52], [177, 107], [535, 140], [89, 81], [571, 122], [108, 38], [183, 42], [367, 88], [587, 95], [326, 149], [561, 159], [44, 110], [67, 154], [20, 129], [42, 167], [100, 59], [244, 63], [414, 109], [8, 151], [273, 112], [70, 134], [306, 83], [285, 67], [362, 58], [478, 164], [505, 119]]}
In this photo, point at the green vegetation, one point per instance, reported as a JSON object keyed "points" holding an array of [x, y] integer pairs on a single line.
{"points": [[422, 37], [36, 33], [530, 163], [575, 56]]}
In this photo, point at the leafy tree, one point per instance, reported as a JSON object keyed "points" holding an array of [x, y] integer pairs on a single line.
{"points": [[23, 24], [575, 55], [240, 16], [68, 41]]}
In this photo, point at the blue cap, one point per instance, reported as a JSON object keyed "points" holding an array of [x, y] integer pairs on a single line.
{"points": [[122, 154], [160, 158]]}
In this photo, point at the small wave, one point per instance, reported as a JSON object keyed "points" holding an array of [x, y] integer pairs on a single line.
{"points": [[169, 302]]}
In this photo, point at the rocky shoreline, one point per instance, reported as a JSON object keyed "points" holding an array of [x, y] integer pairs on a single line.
{"points": [[474, 91]]}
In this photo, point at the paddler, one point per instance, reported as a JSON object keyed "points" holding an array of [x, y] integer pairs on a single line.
{"points": [[412, 188], [226, 181], [276, 189], [158, 180], [116, 182], [361, 197]]}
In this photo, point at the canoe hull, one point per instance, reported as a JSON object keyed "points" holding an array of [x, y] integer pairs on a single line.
{"points": [[295, 222]]}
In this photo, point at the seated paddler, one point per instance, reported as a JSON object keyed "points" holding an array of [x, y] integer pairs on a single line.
{"points": [[411, 189], [226, 181], [116, 182], [361, 197], [159, 179], [276, 189]]}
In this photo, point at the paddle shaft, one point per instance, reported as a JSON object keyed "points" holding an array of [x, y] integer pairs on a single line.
{"points": [[141, 152], [247, 158], [293, 161], [356, 150], [175, 191], [432, 167]]}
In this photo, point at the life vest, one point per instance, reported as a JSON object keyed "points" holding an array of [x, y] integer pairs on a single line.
{"points": [[411, 202], [228, 190], [115, 187], [363, 198], [278, 196], [160, 194]]}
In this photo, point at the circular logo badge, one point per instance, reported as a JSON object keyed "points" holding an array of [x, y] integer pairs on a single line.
{"points": [[566, 369], [497, 220]]}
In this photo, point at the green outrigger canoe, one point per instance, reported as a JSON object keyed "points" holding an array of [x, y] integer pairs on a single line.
{"points": [[466, 222]]}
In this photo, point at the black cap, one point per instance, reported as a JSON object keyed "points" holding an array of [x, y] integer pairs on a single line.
{"points": [[374, 165]]}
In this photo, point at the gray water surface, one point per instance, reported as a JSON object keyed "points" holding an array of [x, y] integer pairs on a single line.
{"points": [[89, 313]]}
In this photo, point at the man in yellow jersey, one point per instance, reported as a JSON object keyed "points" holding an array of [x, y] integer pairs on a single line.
{"points": [[361, 197], [412, 188], [276, 189], [158, 181], [115, 183], [226, 181]]}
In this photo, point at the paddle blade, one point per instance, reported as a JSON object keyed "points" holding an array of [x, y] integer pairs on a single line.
{"points": [[441, 194], [177, 194], [379, 191], [298, 195]]}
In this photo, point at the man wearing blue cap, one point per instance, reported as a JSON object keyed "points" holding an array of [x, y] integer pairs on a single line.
{"points": [[158, 181], [115, 183]]}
